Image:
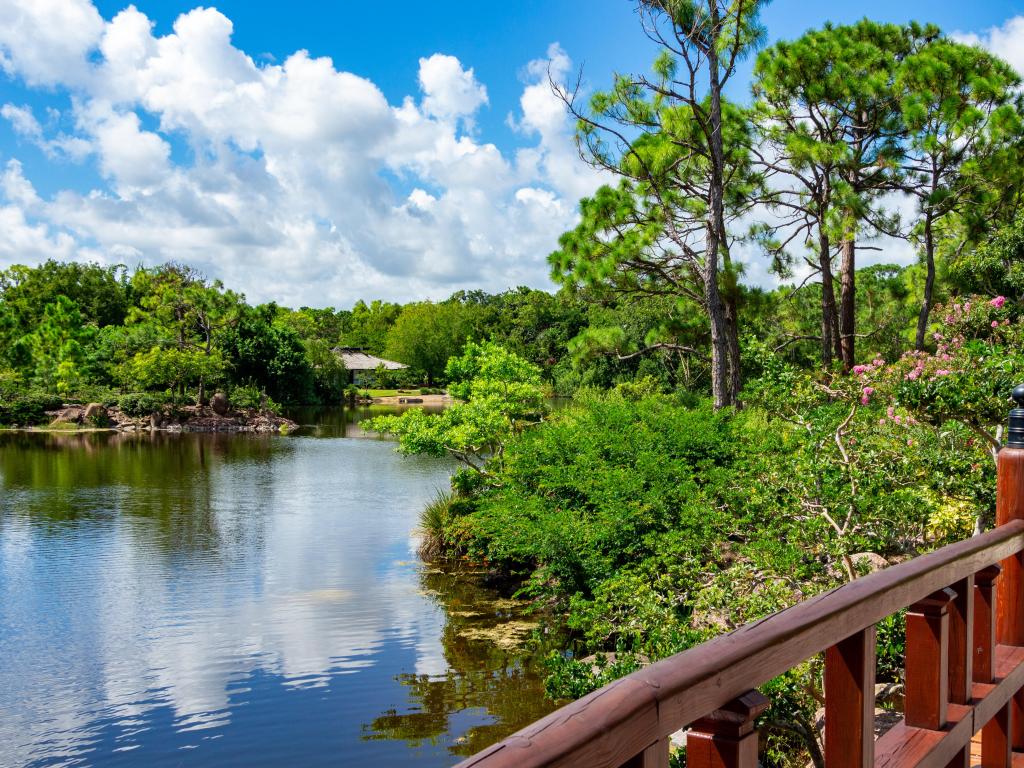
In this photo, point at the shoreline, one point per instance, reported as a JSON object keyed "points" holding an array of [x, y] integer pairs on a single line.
{"points": [[414, 400]]}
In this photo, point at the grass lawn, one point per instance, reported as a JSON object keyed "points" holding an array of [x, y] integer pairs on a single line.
{"points": [[389, 392]]}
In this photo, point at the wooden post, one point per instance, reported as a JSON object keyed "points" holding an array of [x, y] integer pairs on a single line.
{"points": [[850, 702], [927, 661], [726, 738], [1010, 506], [1010, 588]]}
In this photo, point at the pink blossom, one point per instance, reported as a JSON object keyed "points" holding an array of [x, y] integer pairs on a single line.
{"points": [[869, 390], [910, 442], [879, 361], [1006, 322], [948, 319], [898, 419], [942, 372], [937, 336], [967, 307], [881, 422], [865, 400], [995, 323], [914, 374], [859, 369], [890, 411], [998, 301]]}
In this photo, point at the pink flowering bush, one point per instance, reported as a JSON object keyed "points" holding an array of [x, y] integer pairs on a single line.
{"points": [[967, 378], [914, 433]]}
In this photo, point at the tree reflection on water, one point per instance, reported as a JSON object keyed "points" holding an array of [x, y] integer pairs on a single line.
{"points": [[493, 649]]}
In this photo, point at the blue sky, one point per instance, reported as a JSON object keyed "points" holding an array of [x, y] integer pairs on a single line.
{"points": [[497, 39], [96, 198]]}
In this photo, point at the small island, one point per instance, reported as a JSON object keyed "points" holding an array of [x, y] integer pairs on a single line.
{"points": [[217, 416]]}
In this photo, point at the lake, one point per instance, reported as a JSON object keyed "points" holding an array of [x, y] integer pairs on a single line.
{"points": [[214, 600]]}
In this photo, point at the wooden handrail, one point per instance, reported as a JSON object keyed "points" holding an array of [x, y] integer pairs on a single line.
{"points": [[627, 723], [607, 727]]}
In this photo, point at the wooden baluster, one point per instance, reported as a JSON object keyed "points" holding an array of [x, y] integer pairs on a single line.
{"points": [[995, 740], [655, 756], [961, 639], [726, 738], [850, 702], [995, 735], [984, 624], [927, 661], [1010, 587]]}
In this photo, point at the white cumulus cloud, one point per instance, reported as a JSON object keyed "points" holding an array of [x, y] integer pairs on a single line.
{"points": [[47, 42], [449, 90], [1005, 41], [300, 182]]}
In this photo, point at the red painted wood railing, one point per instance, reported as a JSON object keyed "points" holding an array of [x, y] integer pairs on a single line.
{"points": [[964, 669]]}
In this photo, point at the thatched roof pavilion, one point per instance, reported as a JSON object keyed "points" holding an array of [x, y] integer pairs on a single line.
{"points": [[357, 359]]}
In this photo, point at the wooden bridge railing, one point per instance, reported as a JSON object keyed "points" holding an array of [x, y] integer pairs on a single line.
{"points": [[964, 668]]}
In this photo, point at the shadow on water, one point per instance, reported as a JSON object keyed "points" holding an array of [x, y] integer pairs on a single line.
{"points": [[170, 599], [343, 421]]}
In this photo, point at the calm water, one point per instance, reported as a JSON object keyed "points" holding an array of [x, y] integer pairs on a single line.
{"points": [[179, 600]]}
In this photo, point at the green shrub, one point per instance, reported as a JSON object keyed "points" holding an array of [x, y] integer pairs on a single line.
{"points": [[249, 396], [434, 519], [597, 486], [139, 404], [28, 409], [570, 678]]}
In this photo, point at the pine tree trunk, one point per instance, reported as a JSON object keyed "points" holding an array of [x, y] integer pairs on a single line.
{"points": [[848, 302], [724, 381], [848, 280], [732, 329], [720, 389], [929, 280], [829, 320]]}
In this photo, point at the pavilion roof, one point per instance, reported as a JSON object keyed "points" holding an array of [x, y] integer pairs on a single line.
{"points": [[357, 359]]}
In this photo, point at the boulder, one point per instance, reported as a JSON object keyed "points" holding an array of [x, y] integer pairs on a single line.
{"points": [[96, 414], [870, 560], [219, 403], [155, 420], [69, 415]]}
